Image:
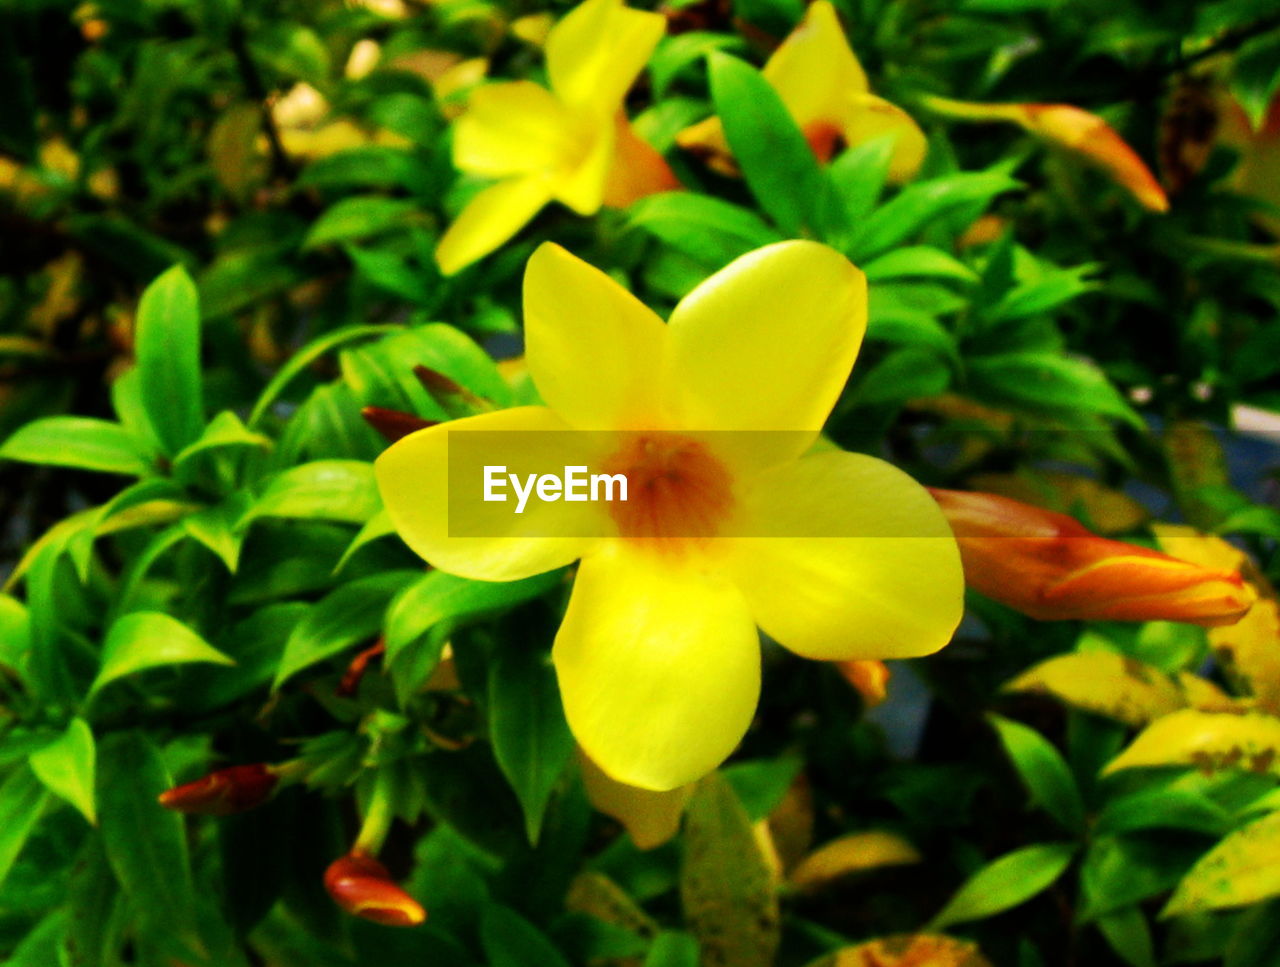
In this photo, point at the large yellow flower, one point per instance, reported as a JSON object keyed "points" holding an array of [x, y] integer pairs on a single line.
{"points": [[570, 144], [819, 79], [734, 519]]}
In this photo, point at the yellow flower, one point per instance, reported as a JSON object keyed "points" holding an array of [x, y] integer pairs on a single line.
{"points": [[566, 144], [1074, 130], [733, 520], [819, 79]]}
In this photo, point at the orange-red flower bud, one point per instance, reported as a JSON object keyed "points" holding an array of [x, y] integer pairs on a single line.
{"points": [[362, 886], [869, 678], [1049, 566], [223, 792], [394, 424]]}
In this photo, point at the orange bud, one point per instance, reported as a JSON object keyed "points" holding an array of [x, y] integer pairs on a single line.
{"points": [[354, 674], [1049, 566], [223, 792], [362, 886], [869, 678]]}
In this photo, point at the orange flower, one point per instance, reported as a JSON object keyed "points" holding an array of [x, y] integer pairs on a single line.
{"points": [[1072, 129], [362, 886], [223, 792], [1049, 566]]}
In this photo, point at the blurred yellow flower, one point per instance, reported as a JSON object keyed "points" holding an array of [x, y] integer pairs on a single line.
{"points": [[733, 520], [819, 79], [1072, 129], [565, 144]]}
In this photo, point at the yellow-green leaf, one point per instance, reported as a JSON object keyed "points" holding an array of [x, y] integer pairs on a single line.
{"points": [[1208, 741], [148, 639], [1004, 883], [726, 886], [1244, 868], [1104, 683], [66, 767], [852, 854]]}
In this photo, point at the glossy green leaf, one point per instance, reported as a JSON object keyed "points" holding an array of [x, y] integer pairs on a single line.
{"points": [[708, 229], [22, 800], [151, 639], [531, 739], [80, 442], [358, 217], [341, 490], [1004, 883], [1043, 381], [67, 767], [1043, 771], [224, 430], [167, 345]]}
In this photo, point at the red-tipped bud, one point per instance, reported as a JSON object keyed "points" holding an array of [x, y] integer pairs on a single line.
{"points": [[454, 398], [354, 674], [393, 424], [1051, 567], [223, 792], [362, 886], [869, 678]]}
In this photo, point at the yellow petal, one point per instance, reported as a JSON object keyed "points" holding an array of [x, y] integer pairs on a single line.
{"points": [[650, 818], [596, 52], [659, 666], [512, 129], [865, 117], [413, 476], [767, 342], [490, 219], [594, 350], [814, 69], [581, 180], [637, 170], [887, 583]]}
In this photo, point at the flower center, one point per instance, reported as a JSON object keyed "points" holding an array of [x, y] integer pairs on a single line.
{"points": [[675, 487]]}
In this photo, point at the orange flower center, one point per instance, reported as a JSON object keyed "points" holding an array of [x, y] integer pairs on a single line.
{"points": [[676, 488]]}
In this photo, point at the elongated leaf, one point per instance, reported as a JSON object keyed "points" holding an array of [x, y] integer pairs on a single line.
{"points": [[779, 166], [358, 216], [80, 442], [1043, 770], [726, 887], [342, 490], [1129, 934], [1048, 382], [531, 739], [1244, 868], [224, 430], [145, 843], [352, 613], [710, 230], [1206, 740], [918, 261], [853, 853], [67, 767], [672, 948], [1105, 683], [151, 639], [509, 940], [1004, 883], [167, 344], [22, 799]]}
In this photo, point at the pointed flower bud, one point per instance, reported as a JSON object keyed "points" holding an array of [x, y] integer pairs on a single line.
{"points": [[362, 887], [224, 792], [394, 424], [868, 677], [1049, 566]]}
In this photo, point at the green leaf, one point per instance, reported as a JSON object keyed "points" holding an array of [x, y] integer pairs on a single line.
{"points": [[218, 528], [1242, 869], [531, 739], [15, 634], [224, 430], [302, 360], [146, 845], [358, 217], [904, 374], [509, 940], [779, 166], [1043, 771], [1040, 381], [672, 948], [1129, 935], [1005, 883], [918, 261], [80, 442], [22, 800], [726, 887], [150, 639], [167, 346], [369, 166], [343, 617], [918, 205], [42, 947], [66, 767], [341, 490], [708, 229]]}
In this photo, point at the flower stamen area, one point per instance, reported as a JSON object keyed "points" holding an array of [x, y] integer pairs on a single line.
{"points": [[676, 487]]}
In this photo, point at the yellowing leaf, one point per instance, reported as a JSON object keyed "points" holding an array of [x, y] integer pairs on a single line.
{"points": [[595, 895], [908, 950], [726, 887], [1208, 741], [1250, 650], [1104, 683], [852, 854], [1244, 868], [1109, 511], [1204, 695]]}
